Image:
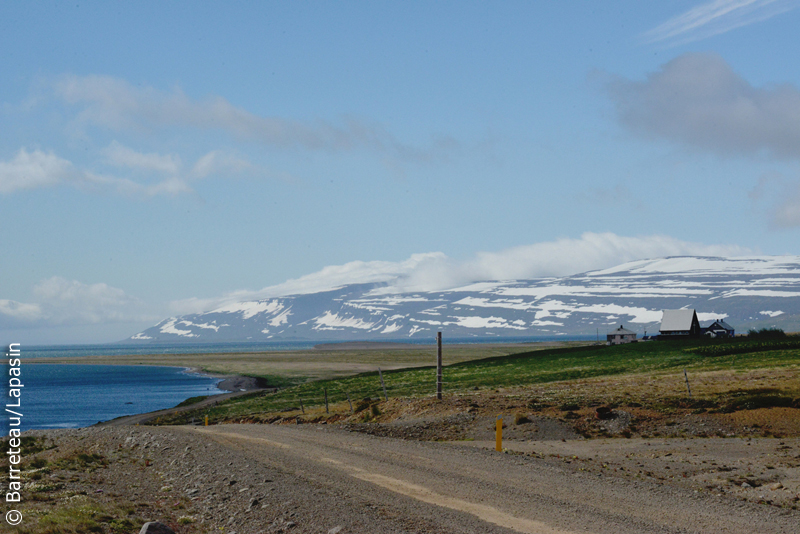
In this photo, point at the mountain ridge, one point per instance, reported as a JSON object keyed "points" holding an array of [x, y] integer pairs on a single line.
{"points": [[748, 292]]}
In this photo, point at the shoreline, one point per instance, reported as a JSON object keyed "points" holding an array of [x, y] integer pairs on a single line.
{"points": [[231, 383]]}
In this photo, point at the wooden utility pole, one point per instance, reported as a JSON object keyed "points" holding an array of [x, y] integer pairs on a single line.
{"points": [[439, 365]]}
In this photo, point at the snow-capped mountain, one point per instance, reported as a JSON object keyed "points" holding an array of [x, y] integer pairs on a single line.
{"points": [[747, 292]]}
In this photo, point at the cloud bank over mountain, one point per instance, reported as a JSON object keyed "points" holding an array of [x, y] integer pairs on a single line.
{"points": [[435, 271]]}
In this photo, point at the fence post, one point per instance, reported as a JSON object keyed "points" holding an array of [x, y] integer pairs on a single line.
{"points": [[686, 376], [380, 374], [349, 401], [302, 409], [326, 400], [439, 365]]}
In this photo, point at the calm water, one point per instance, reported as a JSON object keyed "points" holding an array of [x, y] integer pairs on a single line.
{"points": [[71, 396]]}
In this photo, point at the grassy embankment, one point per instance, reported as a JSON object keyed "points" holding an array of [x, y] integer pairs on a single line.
{"points": [[723, 375]]}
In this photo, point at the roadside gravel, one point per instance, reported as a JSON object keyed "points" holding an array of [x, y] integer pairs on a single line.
{"points": [[323, 479]]}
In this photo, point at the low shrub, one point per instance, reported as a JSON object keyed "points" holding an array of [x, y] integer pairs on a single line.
{"points": [[766, 333], [745, 347], [520, 419]]}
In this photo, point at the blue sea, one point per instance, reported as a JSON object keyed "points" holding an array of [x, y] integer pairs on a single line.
{"points": [[72, 396]]}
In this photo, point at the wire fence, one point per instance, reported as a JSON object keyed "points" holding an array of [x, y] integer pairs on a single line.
{"points": [[345, 396], [356, 395]]}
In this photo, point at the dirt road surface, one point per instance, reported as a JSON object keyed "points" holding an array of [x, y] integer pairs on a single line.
{"points": [[451, 488]]}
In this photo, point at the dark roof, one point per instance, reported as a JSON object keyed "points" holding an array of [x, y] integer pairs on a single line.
{"points": [[621, 331], [721, 323]]}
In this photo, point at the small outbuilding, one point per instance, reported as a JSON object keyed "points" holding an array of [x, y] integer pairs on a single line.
{"points": [[620, 335], [719, 328], [678, 323]]}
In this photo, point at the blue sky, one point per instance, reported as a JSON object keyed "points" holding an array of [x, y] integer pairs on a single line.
{"points": [[163, 158]]}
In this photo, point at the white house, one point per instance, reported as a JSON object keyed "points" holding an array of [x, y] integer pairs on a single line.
{"points": [[620, 336]]}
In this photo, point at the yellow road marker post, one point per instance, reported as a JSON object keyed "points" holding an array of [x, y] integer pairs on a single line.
{"points": [[206, 420], [498, 446]]}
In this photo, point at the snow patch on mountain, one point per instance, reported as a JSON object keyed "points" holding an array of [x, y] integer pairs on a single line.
{"points": [[281, 318], [759, 293], [485, 322], [170, 328], [251, 308], [332, 321], [141, 336]]}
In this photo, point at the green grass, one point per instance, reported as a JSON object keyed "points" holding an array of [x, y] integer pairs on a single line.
{"points": [[192, 400], [80, 515], [535, 367], [81, 461]]}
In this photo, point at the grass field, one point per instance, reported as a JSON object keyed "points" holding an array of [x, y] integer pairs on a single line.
{"points": [[643, 372], [283, 368]]}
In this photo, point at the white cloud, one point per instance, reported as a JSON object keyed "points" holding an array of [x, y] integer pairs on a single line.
{"points": [[592, 251], [70, 301], [331, 277], [58, 301], [177, 181], [216, 162], [714, 18], [123, 156], [36, 169], [20, 310], [30, 170], [699, 101], [435, 271], [116, 104]]}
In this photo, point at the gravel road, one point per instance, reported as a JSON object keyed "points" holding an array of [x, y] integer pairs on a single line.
{"points": [[456, 489]]}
